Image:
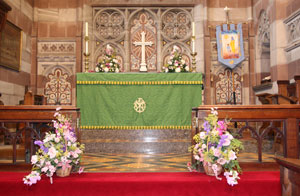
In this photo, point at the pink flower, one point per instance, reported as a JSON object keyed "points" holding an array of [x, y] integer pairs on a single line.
{"points": [[80, 170]]}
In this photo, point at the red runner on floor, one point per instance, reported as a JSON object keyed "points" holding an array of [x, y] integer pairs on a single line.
{"points": [[145, 184]]}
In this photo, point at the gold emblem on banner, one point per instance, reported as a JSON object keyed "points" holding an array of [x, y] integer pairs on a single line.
{"points": [[139, 105]]}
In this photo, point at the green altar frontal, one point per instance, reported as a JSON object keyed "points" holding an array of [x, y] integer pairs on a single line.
{"points": [[138, 100]]}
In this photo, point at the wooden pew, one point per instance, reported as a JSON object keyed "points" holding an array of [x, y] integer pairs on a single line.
{"points": [[31, 115]]}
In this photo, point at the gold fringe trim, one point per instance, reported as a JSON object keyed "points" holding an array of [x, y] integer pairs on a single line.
{"points": [[135, 127], [138, 82]]}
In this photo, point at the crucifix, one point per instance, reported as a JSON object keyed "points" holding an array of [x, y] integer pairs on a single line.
{"points": [[226, 9], [143, 44]]}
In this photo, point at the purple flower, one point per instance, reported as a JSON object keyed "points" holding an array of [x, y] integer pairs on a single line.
{"points": [[38, 142], [222, 140], [206, 126], [44, 149]]}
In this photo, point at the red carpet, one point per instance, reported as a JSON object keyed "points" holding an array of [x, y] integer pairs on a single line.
{"points": [[145, 184]]}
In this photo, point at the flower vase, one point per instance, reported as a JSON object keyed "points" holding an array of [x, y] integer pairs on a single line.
{"points": [[209, 170], [63, 172]]}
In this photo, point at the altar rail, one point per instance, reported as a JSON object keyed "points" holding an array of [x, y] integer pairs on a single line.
{"points": [[29, 123], [287, 115]]}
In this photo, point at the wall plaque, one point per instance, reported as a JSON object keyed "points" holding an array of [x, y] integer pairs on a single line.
{"points": [[11, 46]]}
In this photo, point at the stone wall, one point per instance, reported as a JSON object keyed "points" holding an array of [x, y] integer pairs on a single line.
{"points": [[13, 83], [274, 25], [57, 46]]}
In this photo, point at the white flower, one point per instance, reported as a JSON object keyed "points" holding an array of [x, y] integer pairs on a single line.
{"points": [[230, 137], [196, 157], [169, 62], [52, 152], [177, 69], [232, 177], [106, 69], [203, 146], [166, 70], [183, 61], [56, 139], [202, 135], [231, 155], [217, 152], [110, 64], [34, 159], [221, 161], [227, 142], [97, 69], [117, 70], [187, 68]]}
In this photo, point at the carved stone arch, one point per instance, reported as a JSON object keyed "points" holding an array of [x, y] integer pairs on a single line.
{"points": [[143, 20], [58, 86], [182, 48], [263, 45], [137, 11], [109, 24], [120, 53], [263, 29], [66, 69], [176, 24], [224, 85]]}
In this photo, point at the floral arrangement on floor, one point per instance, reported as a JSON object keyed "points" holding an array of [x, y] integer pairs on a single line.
{"points": [[217, 148], [59, 150], [176, 63], [109, 63]]}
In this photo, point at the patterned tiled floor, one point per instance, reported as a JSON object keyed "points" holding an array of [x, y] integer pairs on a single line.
{"points": [[169, 162]]}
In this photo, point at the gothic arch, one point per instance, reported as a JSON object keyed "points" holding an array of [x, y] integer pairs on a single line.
{"points": [[263, 45]]}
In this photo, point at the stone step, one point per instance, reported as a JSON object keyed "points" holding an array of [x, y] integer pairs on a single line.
{"points": [[138, 147], [136, 141]]}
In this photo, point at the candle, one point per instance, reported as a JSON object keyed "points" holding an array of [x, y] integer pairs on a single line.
{"points": [[86, 47], [86, 29], [193, 28]]}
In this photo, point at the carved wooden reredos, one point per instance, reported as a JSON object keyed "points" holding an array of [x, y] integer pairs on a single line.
{"points": [[121, 27]]}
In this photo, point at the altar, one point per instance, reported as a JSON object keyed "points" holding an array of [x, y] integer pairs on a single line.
{"points": [[138, 100]]}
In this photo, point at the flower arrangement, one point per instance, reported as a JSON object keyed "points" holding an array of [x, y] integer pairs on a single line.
{"points": [[216, 147], [176, 63], [109, 63], [59, 150]]}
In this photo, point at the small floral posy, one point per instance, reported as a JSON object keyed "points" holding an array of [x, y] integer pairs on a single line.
{"points": [[57, 150], [176, 63], [109, 63], [215, 146]]}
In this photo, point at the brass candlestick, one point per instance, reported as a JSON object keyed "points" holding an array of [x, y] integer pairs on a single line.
{"points": [[86, 62], [194, 61], [86, 54]]}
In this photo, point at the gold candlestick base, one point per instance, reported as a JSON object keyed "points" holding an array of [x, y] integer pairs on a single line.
{"points": [[194, 62], [86, 62]]}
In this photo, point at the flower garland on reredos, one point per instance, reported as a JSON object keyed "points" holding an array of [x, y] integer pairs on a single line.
{"points": [[109, 63], [59, 152], [176, 63], [216, 149]]}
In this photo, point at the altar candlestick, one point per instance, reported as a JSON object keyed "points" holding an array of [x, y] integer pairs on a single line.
{"points": [[193, 45], [86, 29], [86, 46], [193, 28]]}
